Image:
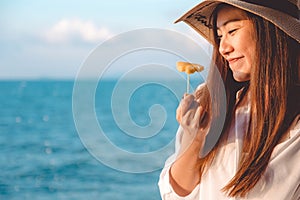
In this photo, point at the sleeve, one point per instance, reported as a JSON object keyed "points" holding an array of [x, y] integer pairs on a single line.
{"points": [[166, 190]]}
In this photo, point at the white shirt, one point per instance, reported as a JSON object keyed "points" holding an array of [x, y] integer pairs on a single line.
{"points": [[281, 181]]}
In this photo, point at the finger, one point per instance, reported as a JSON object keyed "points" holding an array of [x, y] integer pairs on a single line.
{"points": [[200, 112], [198, 94], [184, 106], [188, 118], [204, 121], [187, 106], [178, 114], [187, 100], [194, 114]]}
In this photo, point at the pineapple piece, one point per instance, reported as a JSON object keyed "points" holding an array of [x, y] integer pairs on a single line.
{"points": [[188, 68]]}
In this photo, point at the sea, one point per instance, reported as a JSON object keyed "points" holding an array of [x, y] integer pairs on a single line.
{"points": [[50, 148]]}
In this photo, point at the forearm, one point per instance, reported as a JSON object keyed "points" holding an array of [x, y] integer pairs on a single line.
{"points": [[185, 171]]}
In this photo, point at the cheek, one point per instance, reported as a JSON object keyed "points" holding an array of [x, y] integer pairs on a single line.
{"points": [[249, 61], [249, 49], [251, 54], [251, 46]]}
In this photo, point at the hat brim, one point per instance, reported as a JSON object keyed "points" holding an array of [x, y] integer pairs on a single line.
{"points": [[199, 16]]}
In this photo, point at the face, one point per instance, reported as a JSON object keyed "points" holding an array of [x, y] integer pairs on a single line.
{"points": [[237, 44]]}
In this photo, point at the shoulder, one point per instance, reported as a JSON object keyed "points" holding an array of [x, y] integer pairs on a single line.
{"points": [[296, 124], [291, 142], [295, 128], [292, 131]]}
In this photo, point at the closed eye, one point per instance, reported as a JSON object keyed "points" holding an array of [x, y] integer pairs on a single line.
{"points": [[232, 31]]}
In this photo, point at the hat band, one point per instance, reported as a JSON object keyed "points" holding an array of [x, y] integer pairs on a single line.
{"points": [[283, 6]]}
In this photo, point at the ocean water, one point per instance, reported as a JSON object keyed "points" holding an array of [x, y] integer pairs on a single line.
{"points": [[44, 157]]}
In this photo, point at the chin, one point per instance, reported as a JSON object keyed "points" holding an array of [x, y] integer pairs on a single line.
{"points": [[241, 77]]}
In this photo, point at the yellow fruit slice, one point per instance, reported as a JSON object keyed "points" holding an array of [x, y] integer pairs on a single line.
{"points": [[189, 68]]}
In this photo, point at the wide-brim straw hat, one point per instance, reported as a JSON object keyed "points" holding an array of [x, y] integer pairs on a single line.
{"points": [[282, 13]]}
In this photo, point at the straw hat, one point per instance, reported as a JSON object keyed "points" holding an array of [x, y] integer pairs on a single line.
{"points": [[282, 13]]}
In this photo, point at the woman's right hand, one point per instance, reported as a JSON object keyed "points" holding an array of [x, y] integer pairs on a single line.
{"points": [[194, 116]]}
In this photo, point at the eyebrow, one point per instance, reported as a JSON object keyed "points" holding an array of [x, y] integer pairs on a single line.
{"points": [[227, 22]]}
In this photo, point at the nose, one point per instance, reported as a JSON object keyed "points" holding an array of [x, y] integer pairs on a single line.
{"points": [[225, 46]]}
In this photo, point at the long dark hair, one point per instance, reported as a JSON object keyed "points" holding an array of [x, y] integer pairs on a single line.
{"points": [[275, 101]]}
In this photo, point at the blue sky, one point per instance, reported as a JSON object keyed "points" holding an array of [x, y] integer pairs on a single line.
{"points": [[51, 39]]}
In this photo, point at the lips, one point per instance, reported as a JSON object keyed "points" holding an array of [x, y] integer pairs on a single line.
{"points": [[233, 60]]}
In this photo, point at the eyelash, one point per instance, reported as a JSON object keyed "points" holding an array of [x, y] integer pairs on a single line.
{"points": [[230, 32]]}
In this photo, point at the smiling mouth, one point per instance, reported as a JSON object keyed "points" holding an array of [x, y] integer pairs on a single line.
{"points": [[233, 60]]}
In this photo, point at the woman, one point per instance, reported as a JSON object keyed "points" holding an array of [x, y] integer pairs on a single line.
{"points": [[257, 53]]}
